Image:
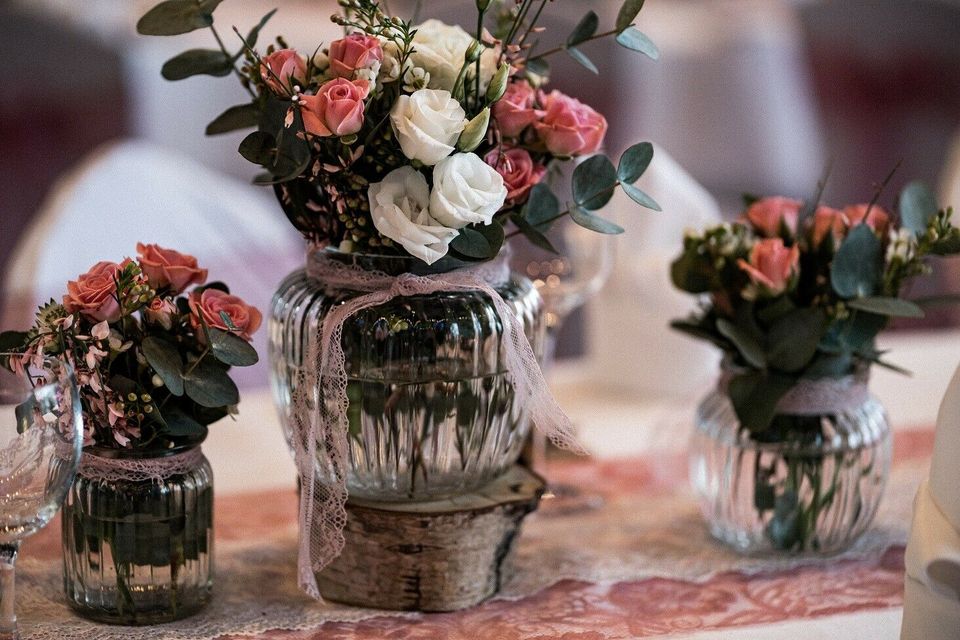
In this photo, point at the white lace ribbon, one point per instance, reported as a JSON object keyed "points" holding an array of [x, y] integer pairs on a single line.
{"points": [[159, 469], [320, 400]]}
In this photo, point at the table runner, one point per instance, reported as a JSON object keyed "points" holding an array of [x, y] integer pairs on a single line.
{"points": [[650, 569]]}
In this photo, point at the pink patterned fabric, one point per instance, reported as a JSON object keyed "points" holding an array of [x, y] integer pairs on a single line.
{"points": [[157, 470], [320, 399]]}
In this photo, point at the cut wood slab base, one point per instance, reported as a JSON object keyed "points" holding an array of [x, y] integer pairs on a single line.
{"points": [[440, 555]]}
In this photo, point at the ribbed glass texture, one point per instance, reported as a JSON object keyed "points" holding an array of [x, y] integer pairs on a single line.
{"points": [[808, 484], [432, 412], [139, 552]]}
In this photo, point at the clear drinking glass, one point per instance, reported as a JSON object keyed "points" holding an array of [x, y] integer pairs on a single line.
{"points": [[41, 435]]}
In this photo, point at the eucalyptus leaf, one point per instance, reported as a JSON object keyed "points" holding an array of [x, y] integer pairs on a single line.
{"points": [[794, 338], [947, 246], [640, 197], [542, 207], [755, 395], [242, 116], [165, 359], [179, 424], [628, 13], [208, 385], [584, 29], [700, 332], [745, 341], [174, 17], [532, 234], [857, 267], [853, 334], [258, 148], [197, 62], [231, 349], [826, 365], [254, 33], [594, 223], [539, 66], [693, 273], [634, 162], [481, 243], [896, 307], [918, 206], [635, 40], [594, 181], [13, 340], [582, 59]]}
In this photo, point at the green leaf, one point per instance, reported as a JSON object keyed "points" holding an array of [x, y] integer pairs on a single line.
{"points": [[209, 385], [628, 13], [701, 332], [581, 58], [165, 359], [794, 338], [693, 273], [179, 424], [634, 162], [755, 395], [481, 243], [636, 40], [856, 333], [856, 269], [918, 206], [774, 309], [594, 181], [254, 33], [896, 307], [594, 223], [640, 197], [585, 28], [745, 341], [231, 349], [826, 365], [174, 17], [532, 234], [13, 340], [196, 62], [542, 207], [947, 246], [258, 148], [538, 66], [241, 116]]}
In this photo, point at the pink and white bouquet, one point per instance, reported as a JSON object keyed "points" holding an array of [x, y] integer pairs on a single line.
{"points": [[151, 358], [417, 139]]}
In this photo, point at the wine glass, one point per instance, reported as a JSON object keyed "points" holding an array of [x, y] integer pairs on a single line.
{"points": [[41, 436]]}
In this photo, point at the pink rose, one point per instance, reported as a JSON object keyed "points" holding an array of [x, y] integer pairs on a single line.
{"points": [[208, 305], [772, 265], [169, 268], [515, 111], [829, 221], [282, 69], [356, 51], [518, 170], [769, 215], [569, 127], [878, 220], [94, 293], [161, 311], [337, 109]]}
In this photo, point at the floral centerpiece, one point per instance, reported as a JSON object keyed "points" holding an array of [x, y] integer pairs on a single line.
{"points": [[407, 153], [795, 295], [152, 365]]}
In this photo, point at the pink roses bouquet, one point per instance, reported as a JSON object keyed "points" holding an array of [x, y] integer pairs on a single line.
{"points": [[797, 291], [423, 140], [151, 359]]}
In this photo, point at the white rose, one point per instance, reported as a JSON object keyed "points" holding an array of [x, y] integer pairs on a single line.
{"points": [[400, 208], [427, 124], [440, 48], [466, 190]]}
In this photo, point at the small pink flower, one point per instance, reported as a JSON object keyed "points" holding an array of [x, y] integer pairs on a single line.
{"points": [[520, 173], [878, 220], [282, 69], [161, 311], [93, 294], [772, 265], [569, 127], [356, 51], [211, 302], [769, 215], [829, 221], [169, 268], [515, 111], [337, 109]]}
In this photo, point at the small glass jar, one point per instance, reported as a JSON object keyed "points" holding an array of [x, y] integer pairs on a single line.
{"points": [[809, 483], [139, 552], [432, 410]]}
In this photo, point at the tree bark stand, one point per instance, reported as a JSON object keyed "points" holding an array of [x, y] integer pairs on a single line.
{"points": [[440, 555]]}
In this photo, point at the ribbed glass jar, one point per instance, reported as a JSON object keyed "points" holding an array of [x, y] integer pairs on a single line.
{"points": [[432, 412], [807, 484], [139, 552]]}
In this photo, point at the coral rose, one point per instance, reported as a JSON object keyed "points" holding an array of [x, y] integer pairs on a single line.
{"points": [[520, 173], [828, 221], [769, 215], [282, 69], [210, 303], [337, 109], [94, 294], [515, 111], [169, 268], [569, 127], [356, 51], [878, 219], [772, 265]]}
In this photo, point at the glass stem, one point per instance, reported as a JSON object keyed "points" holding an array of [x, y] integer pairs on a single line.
{"points": [[8, 617]]}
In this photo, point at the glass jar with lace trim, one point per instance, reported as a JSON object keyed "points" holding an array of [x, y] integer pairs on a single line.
{"points": [[432, 410], [138, 535], [810, 482]]}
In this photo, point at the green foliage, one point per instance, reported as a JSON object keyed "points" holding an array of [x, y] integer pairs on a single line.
{"points": [[747, 340], [539, 66], [258, 148], [254, 34], [918, 206], [636, 40], [230, 349], [241, 116], [13, 340], [755, 394], [197, 62], [593, 222], [174, 17], [895, 307], [857, 266], [793, 338], [584, 29], [693, 272], [628, 13], [206, 382], [581, 58], [640, 197], [634, 162], [594, 181], [480, 242], [165, 359], [532, 234]]}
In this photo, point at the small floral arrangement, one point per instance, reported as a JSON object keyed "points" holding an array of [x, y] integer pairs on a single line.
{"points": [[417, 139], [151, 359], [800, 291]]}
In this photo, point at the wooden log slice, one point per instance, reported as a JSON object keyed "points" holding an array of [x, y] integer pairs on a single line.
{"points": [[440, 555]]}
